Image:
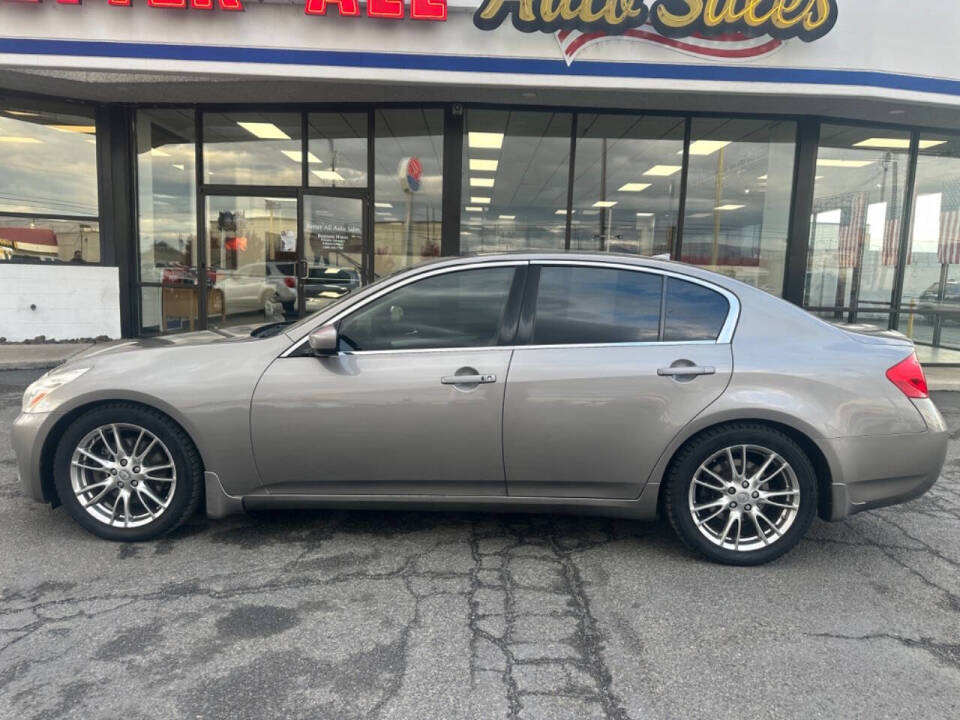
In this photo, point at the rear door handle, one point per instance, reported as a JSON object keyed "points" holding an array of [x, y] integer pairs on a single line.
{"points": [[468, 379], [686, 371]]}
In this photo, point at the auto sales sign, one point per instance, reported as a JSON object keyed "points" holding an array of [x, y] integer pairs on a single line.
{"points": [[722, 29]]}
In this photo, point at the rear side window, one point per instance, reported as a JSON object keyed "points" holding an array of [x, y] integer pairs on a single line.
{"points": [[577, 305], [693, 312]]}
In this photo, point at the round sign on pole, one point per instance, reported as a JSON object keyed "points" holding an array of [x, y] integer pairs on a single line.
{"points": [[410, 172]]}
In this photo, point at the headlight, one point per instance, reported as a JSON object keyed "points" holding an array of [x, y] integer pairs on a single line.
{"points": [[38, 391]]}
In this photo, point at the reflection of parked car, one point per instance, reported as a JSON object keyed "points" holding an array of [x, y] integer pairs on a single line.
{"points": [[324, 283], [175, 273], [948, 308], [245, 289]]}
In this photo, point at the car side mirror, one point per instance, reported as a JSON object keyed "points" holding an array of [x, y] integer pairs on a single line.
{"points": [[324, 340]]}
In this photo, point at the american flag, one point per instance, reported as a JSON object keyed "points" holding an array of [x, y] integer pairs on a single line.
{"points": [[730, 46], [853, 228], [948, 249], [891, 236]]}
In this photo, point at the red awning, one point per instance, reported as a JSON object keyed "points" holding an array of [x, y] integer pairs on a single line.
{"points": [[39, 240]]}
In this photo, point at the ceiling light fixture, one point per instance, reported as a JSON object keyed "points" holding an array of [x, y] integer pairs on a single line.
{"points": [[664, 170], [481, 182], [604, 203], [634, 187], [480, 200], [264, 131], [382, 205], [485, 140], [331, 175], [706, 147], [470, 208], [483, 165], [729, 207], [508, 217], [830, 163]]}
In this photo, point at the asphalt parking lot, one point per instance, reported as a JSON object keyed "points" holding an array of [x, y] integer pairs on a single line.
{"points": [[454, 615]]}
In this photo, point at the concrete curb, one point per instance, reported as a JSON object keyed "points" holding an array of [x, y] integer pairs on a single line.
{"points": [[15, 356]]}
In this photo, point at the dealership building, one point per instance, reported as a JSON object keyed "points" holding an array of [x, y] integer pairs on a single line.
{"points": [[168, 165]]}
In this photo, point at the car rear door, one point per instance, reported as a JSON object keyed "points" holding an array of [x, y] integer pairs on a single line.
{"points": [[412, 404], [615, 361]]}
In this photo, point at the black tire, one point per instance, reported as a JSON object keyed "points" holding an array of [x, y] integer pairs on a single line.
{"points": [[186, 460], [701, 448]]}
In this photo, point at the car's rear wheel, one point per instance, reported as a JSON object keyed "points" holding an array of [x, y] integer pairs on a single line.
{"points": [[126, 472], [741, 494]]}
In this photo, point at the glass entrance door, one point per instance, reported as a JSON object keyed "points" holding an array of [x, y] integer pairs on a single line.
{"points": [[250, 255], [332, 249]]}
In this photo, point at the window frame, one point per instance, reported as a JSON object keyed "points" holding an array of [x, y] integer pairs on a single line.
{"points": [[528, 312]]}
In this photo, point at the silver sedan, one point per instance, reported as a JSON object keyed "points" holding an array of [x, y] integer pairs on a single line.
{"points": [[539, 382]]}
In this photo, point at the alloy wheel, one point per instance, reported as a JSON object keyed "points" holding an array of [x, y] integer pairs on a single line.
{"points": [[123, 475], [744, 497]]}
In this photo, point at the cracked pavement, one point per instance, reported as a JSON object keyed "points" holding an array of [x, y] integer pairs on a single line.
{"points": [[468, 615]]}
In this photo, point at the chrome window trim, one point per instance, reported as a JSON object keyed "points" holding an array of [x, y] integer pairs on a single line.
{"points": [[724, 338], [403, 283]]}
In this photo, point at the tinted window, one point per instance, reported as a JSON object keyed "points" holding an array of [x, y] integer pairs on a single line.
{"points": [[693, 312], [596, 305], [457, 309]]}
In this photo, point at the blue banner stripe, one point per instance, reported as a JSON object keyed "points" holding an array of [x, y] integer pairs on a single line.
{"points": [[460, 63]]}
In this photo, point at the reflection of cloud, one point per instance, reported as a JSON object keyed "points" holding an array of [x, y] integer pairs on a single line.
{"points": [[57, 175]]}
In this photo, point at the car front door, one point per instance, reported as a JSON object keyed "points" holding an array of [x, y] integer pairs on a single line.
{"points": [[616, 362], [412, 403]]}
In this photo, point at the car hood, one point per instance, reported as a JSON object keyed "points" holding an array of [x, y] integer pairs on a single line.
{"points": [[202, 337], [874, 335]]}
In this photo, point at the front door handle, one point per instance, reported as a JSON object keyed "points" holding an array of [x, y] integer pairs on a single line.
{"points": [[686, 371], [468, 379]]}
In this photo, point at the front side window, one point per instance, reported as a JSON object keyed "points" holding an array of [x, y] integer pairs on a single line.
{"points": [[456, 309], [582, 305], [693, 312]]}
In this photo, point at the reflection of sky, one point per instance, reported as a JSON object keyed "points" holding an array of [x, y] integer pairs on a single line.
{"points": [[55, 174]]}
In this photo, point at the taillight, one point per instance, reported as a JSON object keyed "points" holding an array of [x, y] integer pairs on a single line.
{"points": [[908, 376], [289, 282]]}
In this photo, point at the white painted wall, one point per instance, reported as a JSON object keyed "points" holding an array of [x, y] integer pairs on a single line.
{"points": [[71, 301]]}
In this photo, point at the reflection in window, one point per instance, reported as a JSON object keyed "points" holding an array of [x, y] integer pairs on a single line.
{"points": [[693, 312], [515, 173], [408, 188], [596, 305], [738, 198], [338, 150], [456, 309], [627, 183], [40, 240], [49, 163], [252, 148], [855, 226], [166, 198], [931, 288]]}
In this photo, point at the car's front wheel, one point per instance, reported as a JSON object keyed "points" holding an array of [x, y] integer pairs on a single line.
{"points": [[741, 494], [126, 472]]}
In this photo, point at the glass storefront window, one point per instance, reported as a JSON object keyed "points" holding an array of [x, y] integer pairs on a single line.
{"points": [[408, 153], [930, 308], [49, 163], [41, 240], [515, 175], [337, 154], [855, 225], [248, 240], [739, 188], [252, 148], [166, 197], [626, 188]]}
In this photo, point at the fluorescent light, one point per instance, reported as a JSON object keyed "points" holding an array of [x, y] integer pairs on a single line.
{"points": [[480, 200], [22, 113], [264, 131], [706, 147], [896, 143], [331, 175], [470, 208], [762, 177], [481, 182], [295, 156], [508, 217], [485, 140], [382, 205], [19, 139], [157, 152], [605, 203], [634, 187], [483, 165], [87, 129], [664, 170], [560, 212], [827, 162], [179, 166], [645, 214], [729, 207]]}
